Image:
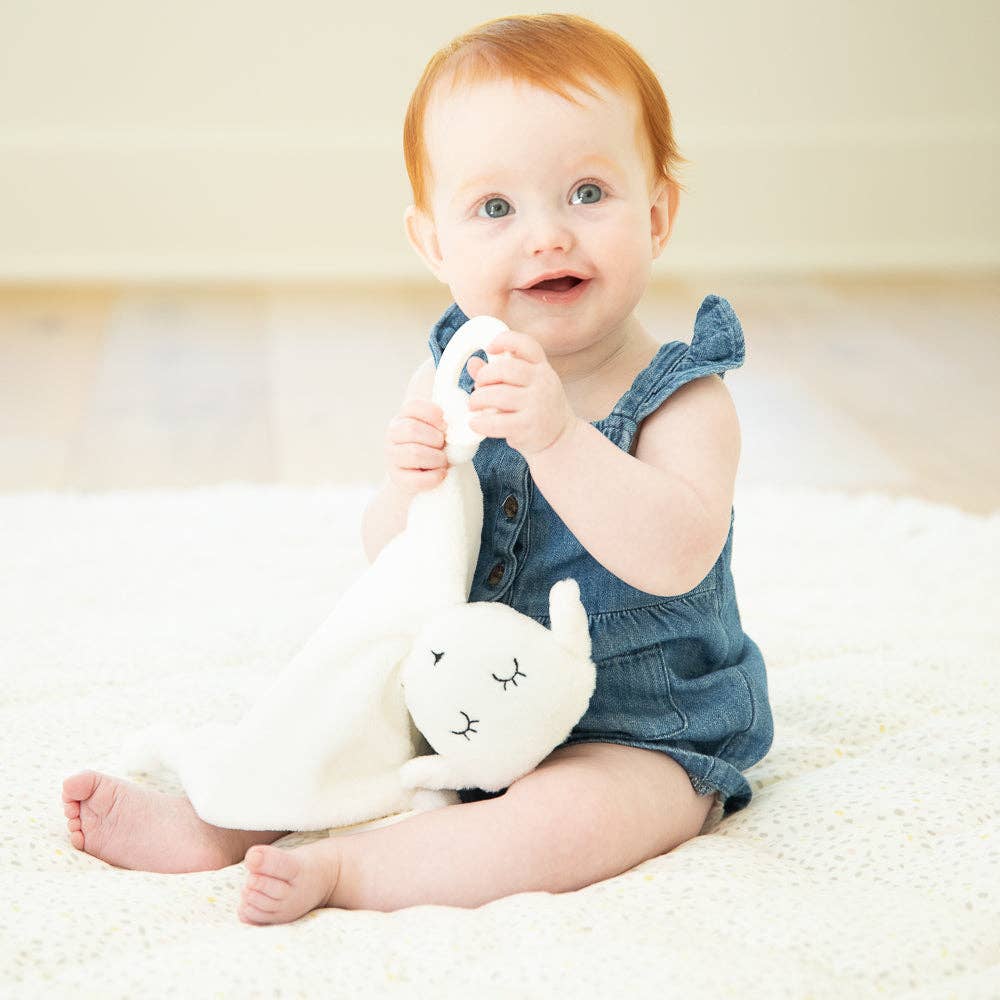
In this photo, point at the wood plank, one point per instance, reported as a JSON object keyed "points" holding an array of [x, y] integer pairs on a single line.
{"points": [[181, 396], [910, 366], [50, 346], [341, 360], [789, 436]]}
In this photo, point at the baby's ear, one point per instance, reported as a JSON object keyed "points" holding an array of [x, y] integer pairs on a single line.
{"points": [[662, 214], [422, 234]]}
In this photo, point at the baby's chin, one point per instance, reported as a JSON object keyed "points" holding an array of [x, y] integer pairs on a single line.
{"points": [[558, 330], [497, 306]]}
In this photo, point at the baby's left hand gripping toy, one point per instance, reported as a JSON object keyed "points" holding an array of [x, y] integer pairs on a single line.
{"points": [[403, 664]]}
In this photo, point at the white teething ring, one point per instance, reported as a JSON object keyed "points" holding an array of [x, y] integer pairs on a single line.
{"points": [[474, 335]]}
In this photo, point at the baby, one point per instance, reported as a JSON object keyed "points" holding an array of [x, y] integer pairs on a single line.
{"points": [[542, 162]]}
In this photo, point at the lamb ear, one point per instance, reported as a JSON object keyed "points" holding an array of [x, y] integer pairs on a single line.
{"points": [[569, 618]]}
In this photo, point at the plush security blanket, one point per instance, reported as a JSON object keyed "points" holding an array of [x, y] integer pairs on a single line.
{"points": [[866, 865], [335, 737]]}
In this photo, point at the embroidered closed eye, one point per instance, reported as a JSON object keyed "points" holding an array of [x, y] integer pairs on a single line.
{"points": [[468, 727], [504, 680], [437, 656]]}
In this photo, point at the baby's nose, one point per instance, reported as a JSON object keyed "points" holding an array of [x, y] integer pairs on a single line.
{"points": [[548, 233]]}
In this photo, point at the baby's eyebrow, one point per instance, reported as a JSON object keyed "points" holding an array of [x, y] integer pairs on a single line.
{"points": [[469, 186], [489, 180]]}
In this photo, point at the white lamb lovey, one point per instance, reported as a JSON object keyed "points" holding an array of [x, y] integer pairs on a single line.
{"points": [[334, 740], [493, 691]]}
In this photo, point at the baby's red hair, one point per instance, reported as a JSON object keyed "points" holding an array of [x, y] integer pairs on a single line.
{"points": [[554, 51]]}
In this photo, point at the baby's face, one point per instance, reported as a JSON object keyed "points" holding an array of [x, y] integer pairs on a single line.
{"points": [[526, 184]]}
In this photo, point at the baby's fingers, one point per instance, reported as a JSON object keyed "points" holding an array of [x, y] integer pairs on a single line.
{"points": [[418, 480], [425, 410], [416, 456], [411, 430]]}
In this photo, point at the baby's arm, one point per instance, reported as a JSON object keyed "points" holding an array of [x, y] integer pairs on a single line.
{"points": [[660, 519]]}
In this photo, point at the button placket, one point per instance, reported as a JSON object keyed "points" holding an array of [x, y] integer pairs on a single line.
{"points": [[510, 522]]}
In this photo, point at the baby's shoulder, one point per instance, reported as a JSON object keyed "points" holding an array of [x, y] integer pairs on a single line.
{"points": [[695, 434], [699, 415]]}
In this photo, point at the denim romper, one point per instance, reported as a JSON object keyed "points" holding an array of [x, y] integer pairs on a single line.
{"points": [[674, 674]]}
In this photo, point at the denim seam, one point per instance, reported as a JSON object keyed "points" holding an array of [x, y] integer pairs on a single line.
{"points": [[525, 535], [665, 670], [753, 701], [658, 384], [603, 738], [742, 732], [666, 603], [658, 604], [737, 347]]}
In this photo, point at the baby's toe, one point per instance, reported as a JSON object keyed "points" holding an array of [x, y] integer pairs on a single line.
{"points": [[273, 861], [71, 809], [274, 889], [251, 914], [79, 786], [259, 900]]}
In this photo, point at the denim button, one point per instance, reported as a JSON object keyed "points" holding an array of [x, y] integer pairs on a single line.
{"points": [[510, 507], [496, 574]]}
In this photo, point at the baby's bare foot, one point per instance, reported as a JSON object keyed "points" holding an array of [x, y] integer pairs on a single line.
{"points": [[138, 828], [283, 885]]}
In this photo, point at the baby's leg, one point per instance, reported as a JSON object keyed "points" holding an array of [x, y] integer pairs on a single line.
{"points": [[588, 812], [133, 827]]}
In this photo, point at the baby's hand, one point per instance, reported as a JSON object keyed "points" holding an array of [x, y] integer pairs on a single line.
{"points": [[414, 447], [534, 411]]}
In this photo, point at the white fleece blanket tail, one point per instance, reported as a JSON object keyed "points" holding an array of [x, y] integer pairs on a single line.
{"points": [[323, 744]]}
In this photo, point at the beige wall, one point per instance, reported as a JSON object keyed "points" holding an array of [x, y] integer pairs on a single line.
{"points": [[262, 140]]}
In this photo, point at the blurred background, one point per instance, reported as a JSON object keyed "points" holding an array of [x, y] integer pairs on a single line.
{"points": [[204, 276]]}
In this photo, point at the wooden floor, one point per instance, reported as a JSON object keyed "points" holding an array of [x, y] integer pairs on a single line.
{"points": [[888, 385]]}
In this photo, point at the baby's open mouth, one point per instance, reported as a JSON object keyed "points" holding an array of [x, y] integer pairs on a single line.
{"points": [[563, 284]]}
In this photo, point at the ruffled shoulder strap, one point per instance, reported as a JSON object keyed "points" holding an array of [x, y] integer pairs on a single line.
{"points": [[717, 346]]}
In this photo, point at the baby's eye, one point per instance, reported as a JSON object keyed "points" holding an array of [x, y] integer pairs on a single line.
{"points": [[591, 193], [495, 208]]}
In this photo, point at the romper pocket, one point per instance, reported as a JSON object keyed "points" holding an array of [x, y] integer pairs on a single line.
{"points": [[716, 706], [633, 698]]}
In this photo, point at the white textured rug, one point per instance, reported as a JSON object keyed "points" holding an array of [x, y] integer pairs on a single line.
{"points": [[867, 864]]}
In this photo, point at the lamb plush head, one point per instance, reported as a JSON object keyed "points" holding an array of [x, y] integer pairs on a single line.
{"points": [[494, 692]]}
